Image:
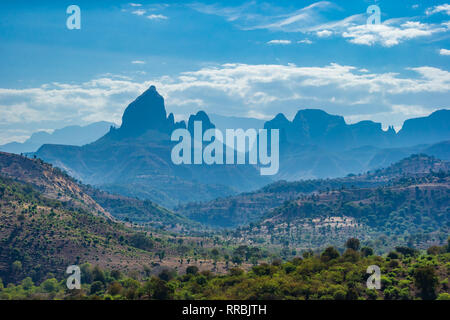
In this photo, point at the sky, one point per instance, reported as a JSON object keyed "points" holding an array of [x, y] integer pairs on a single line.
{"points": [[233, 58]]}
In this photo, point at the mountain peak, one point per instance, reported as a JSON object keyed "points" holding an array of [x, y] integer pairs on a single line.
{"points": [[145, 113]]}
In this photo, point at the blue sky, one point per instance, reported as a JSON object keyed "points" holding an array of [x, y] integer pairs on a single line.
{"points": [[241, 58]]}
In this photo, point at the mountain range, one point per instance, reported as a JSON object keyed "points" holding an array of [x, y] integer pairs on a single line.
{"points": [[71, 135], [134, 159]]}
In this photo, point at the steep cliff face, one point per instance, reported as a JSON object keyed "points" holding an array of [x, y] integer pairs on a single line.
{"points": [[431, 129]]}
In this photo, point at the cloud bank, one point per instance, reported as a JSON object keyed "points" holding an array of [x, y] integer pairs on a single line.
{"points": [[234, 89]]}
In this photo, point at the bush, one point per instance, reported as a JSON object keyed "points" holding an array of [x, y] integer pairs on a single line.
{"points": [[339, 295], [96, 287], [443, 296], [50, 285], [426, 280], [192, 270]]}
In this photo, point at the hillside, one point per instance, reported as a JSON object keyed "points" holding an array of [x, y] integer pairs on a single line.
{"points": [[249, 207], [143, 212], [39, 235], [56, 184], [52, 182], [412, 210], [49, 221]]}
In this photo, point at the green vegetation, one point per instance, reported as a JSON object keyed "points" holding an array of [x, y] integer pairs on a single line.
{"points": [[329, 275], [410, 211], [251, 207], [49, 221]]}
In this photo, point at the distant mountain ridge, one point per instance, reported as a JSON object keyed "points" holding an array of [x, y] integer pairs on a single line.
{"points": [[316, 144], [317, 127], [71, 135]]}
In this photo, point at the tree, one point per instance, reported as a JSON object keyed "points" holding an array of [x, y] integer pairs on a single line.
{"points": [[192, 270], [330, 253], [158, 289], [166, 274], [406, 251], [353, 243], [115, 288], [426, 280], [98, 274], [366, 251], [308, 254], [96, 286], [50, 285], [236, 260], [161, 255], [16, 267]]}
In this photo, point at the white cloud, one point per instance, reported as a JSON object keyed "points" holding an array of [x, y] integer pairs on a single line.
{"points": [[439, 8], [233, 89], [252, 15], [138, 62], [324, 33], [388, 35], [139, 12], [314, 20], [279, 42], [135, 4], [305, 41], [157, 17], [444, 52]]}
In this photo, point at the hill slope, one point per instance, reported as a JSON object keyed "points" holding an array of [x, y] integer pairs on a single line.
{"points": [[249, 207], [412, 210], [39, 235], [56, 184]]}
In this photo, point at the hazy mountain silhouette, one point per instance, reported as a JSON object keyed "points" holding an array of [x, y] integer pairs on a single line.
{"points": [[316, 127], [431, 129], [316, 144], [71, 135], [135, 159]]}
